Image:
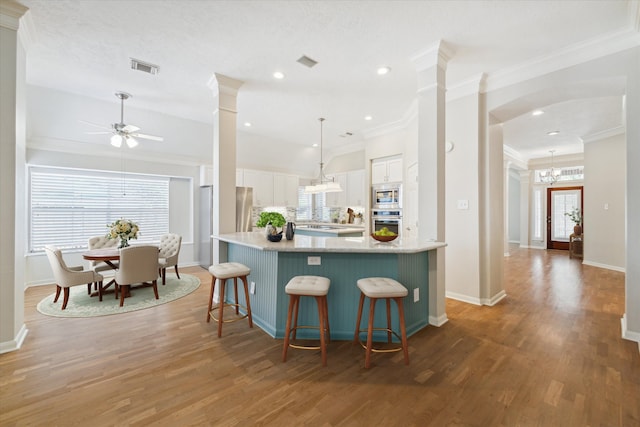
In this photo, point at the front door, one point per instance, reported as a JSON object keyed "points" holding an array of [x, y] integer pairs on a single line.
{"points": [[559, 226]]}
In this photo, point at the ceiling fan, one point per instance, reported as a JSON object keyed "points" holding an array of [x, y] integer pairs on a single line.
{"points": [[121, 131]]}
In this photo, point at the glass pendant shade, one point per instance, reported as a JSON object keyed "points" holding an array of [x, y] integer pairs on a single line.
{"points": [[324, 184]]}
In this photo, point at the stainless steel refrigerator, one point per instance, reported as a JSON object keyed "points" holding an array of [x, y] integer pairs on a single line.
{"points": [[244, 206]]}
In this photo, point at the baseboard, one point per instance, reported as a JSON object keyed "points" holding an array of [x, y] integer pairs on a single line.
{"points": [[608, 267], [627, 334], [463, 298], [438, 321], [15, 343], [494, 299]]}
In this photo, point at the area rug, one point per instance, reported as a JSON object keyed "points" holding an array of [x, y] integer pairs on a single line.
{"points": [[82, 305]]}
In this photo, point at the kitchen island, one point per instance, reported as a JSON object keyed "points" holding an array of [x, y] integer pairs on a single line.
{"points": [[343, 260]]}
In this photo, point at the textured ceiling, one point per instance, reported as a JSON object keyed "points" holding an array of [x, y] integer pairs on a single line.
{"points": [[84, 47]]}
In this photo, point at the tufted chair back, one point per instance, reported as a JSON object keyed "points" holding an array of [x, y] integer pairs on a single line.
{"points": [[169, 250], [138, 264], [101, 242]]}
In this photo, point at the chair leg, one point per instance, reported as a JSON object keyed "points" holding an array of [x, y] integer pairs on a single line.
{"points": [[246, 297], [223, 283], [287, 329], [88, 288], [296, 306], [326, 317], [155, 288], [58, 289], [123, 291], [66, 298], [321, 321], [372, 312], [164, 276], [176, 268], [356, 335], [213, 286], [388, 301], [235, 294], [100, 290]]}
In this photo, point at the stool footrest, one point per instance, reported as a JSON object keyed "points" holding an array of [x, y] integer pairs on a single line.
{"points": [[307, 347], [235, 319], [380, 350]]}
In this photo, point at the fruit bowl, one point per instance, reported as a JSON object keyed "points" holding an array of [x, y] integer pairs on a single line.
{"points": [[384, 238]]}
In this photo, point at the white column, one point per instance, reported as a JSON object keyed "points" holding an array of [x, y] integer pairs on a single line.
{"points": [[431, 67], [12, 185], [525, 208], [505, 197], [225, 92]]}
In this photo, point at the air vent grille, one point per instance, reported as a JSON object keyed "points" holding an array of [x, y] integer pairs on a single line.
{"points": [[306, 61], [145, 67]]}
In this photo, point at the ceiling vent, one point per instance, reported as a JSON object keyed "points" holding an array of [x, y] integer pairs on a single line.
{"points": [[306, 61], [145, 67]]}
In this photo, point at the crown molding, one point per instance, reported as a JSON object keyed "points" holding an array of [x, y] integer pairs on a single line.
{"points": [[438, 54], [572, 55], [514, 157], [27, 32], [634, 14], [607, 133], [473, 86], [397, 126], [10, 14]]}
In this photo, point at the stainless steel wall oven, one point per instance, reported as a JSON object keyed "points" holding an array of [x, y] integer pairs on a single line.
{"points": [[390, 218]]}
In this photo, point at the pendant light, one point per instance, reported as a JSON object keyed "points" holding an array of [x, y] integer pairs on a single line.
{"points": [[550, 175], [324, 184]]}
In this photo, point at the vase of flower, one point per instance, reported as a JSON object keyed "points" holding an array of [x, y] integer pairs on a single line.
{"points": [[576, 216], [123, 230]]}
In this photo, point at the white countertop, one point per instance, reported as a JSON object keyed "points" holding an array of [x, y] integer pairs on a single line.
{"points": [[300, 243], [331, 229]]}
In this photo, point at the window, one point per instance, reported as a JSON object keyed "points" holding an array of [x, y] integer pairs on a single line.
{"points": [[537, 215], [67, 206]]}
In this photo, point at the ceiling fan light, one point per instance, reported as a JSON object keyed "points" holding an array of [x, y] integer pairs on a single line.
{"points": [[116, 141], [131, 141]]}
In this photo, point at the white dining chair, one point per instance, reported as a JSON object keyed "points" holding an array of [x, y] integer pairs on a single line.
{"points": [[66, 277], [138, 264], [168, 256]]}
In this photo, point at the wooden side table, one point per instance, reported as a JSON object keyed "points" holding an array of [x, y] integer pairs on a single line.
{"points": [[576, 245]]}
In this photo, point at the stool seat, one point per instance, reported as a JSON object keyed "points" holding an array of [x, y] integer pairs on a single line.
{"points": [[222, 272], [382, 287], [308, 285], [226, 270]]}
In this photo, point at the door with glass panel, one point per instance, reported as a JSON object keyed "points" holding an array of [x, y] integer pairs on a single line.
{"points": [[559, 225]]}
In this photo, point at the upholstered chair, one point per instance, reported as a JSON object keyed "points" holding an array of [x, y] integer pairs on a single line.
{"points": [[101, 242], [138, 264], [168, 256], [69, 276]]}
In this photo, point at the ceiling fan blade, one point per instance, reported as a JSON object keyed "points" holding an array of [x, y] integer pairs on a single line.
{"points": [[94, 124], [144, 136], [130, 128], [98, 133]]}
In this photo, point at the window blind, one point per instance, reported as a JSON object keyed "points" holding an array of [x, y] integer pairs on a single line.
{"points": [[68, 206]]}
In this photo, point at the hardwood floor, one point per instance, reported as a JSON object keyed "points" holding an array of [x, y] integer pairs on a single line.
{"points": [[550, 354]]}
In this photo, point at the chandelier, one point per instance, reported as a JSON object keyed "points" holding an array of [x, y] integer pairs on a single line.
{"points": [[551, 175], [324, 184]]}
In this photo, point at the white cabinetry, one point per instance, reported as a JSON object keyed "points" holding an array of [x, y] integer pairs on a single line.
{"points": [[386, 170], [285, 190], [262, 183], [338, 199], [356, 188]]}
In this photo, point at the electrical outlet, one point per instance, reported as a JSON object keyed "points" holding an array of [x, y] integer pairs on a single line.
{"points": [[252, 288], [314, 260], [463, 204], [416, 295]]}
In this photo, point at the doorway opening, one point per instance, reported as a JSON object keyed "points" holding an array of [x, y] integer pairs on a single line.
{"points": [[561, 201]]}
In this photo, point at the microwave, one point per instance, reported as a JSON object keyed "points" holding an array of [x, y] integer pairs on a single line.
{"points": [[386, 196]]}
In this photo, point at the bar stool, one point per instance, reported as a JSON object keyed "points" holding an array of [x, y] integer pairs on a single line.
{"points": [[381, 288], [307, 286], [224, 271]]}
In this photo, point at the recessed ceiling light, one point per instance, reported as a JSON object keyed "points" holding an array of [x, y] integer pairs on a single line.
{"points": [[368, 118], [278, 75], [537, 113], [247, 124], [383, 70], [553, 132]]}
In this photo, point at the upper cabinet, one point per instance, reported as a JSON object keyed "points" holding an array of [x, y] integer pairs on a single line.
{"points": [[356, 188], [285, 190], [338, 199], [262, 184], [386, 170]]}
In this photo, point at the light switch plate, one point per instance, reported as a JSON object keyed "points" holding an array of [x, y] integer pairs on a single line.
{"points": [[463, 204], [416, 295], [252, 288]]}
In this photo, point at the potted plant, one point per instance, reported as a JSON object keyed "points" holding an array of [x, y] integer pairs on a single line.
{"points": [[274, 219], [576, 216]]}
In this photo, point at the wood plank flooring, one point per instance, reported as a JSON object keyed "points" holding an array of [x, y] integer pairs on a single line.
{"points": [[550, 354]]}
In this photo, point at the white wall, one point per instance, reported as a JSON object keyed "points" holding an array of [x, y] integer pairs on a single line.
{"points": [[604, 202], [514, 207]]}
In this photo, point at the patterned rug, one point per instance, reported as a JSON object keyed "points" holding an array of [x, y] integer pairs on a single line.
{"points": [[82, 305]]}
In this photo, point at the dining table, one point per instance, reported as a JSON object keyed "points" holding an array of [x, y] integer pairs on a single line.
{"points": [[106, 255]]}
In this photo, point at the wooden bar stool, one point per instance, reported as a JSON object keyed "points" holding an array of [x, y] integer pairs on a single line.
{"points": [[307, 286], [381, 288], [224, 271]]}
